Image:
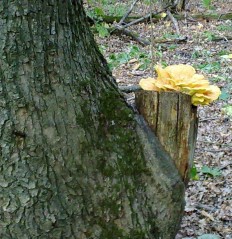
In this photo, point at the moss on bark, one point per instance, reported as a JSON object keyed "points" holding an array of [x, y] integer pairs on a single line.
{"points": [[75, 163]]}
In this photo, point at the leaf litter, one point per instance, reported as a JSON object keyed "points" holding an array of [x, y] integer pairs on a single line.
{"points": [[208, 210]]}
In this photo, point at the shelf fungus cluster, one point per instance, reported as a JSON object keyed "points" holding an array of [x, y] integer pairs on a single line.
{"points": [[184, 79]]}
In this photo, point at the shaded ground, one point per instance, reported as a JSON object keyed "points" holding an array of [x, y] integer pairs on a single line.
{"points": [[208, 199]]}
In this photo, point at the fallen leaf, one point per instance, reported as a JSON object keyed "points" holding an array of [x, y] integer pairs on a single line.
{"points": [[206, 214], [136, 66], [229, 56], [133, 60]]}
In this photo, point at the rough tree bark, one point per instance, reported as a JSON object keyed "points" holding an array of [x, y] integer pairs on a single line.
{"points": [[75, 161], [175, 5]]}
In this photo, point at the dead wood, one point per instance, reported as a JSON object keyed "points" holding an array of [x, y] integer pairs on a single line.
{"points": [[158, 16], [173, 119], [129, 89], [145, 42], [221, 38], [135, 36], [174, 21], [128, 12]]}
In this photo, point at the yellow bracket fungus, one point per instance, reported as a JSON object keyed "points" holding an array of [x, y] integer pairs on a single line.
{"points": [[182, 78]]}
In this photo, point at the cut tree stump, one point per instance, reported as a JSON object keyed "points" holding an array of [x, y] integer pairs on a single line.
{"points": [[174, 121]]}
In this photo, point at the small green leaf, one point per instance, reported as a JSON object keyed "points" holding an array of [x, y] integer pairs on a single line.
{"points": [[209, 236], [102, 30], [209, 67], [214, 172], [98, 11], [228, 110], [224, 95], [207, 3], [134, 51], [172, 47], [123, 58], [193, 173]]}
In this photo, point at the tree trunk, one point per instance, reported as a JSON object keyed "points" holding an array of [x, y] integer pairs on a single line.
{"points": [[174, 5], [76, 162]]}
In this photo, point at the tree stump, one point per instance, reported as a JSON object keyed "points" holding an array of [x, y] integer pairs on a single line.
{"points": [[173, 119]]}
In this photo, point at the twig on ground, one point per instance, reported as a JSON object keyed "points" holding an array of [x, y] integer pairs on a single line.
{"points": [[214, 143], [206, 207], [218, 150], [225, 166], [174, 21], [176, 40], [207, 119], [223, 38], [130, 89], [128, 12], [146, 42], [133, 35], [157, 17]]}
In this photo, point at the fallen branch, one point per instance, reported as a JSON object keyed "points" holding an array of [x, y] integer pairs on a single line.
{"points": [[130, 89], [131, 34], [176, 40], [175, 23], [146, 42], [223, 38], [214, 143], [157, 16], [218, 150], [207, 207], [208, 119], [225, 166], [128, 12]]}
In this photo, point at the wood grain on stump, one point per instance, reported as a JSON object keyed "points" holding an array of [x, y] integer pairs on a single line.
{"points": [[174, 121]]}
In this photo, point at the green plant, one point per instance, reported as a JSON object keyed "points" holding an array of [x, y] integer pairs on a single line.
{"points": [[225, 95], [118, 10], [200, 53], [224, 28], [223, 52], [133, 52], [209, 67], [102, 29], [102, 49], [213, 172], [207, 4], [115, 59], [228, 110], [109, 7], [172, 47], [95, 13], [196, 54], [209, 35], [193, 173], [170, 36]]}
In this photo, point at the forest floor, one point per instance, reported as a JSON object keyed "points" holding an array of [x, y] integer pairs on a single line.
{"points": [[208, 197]]}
